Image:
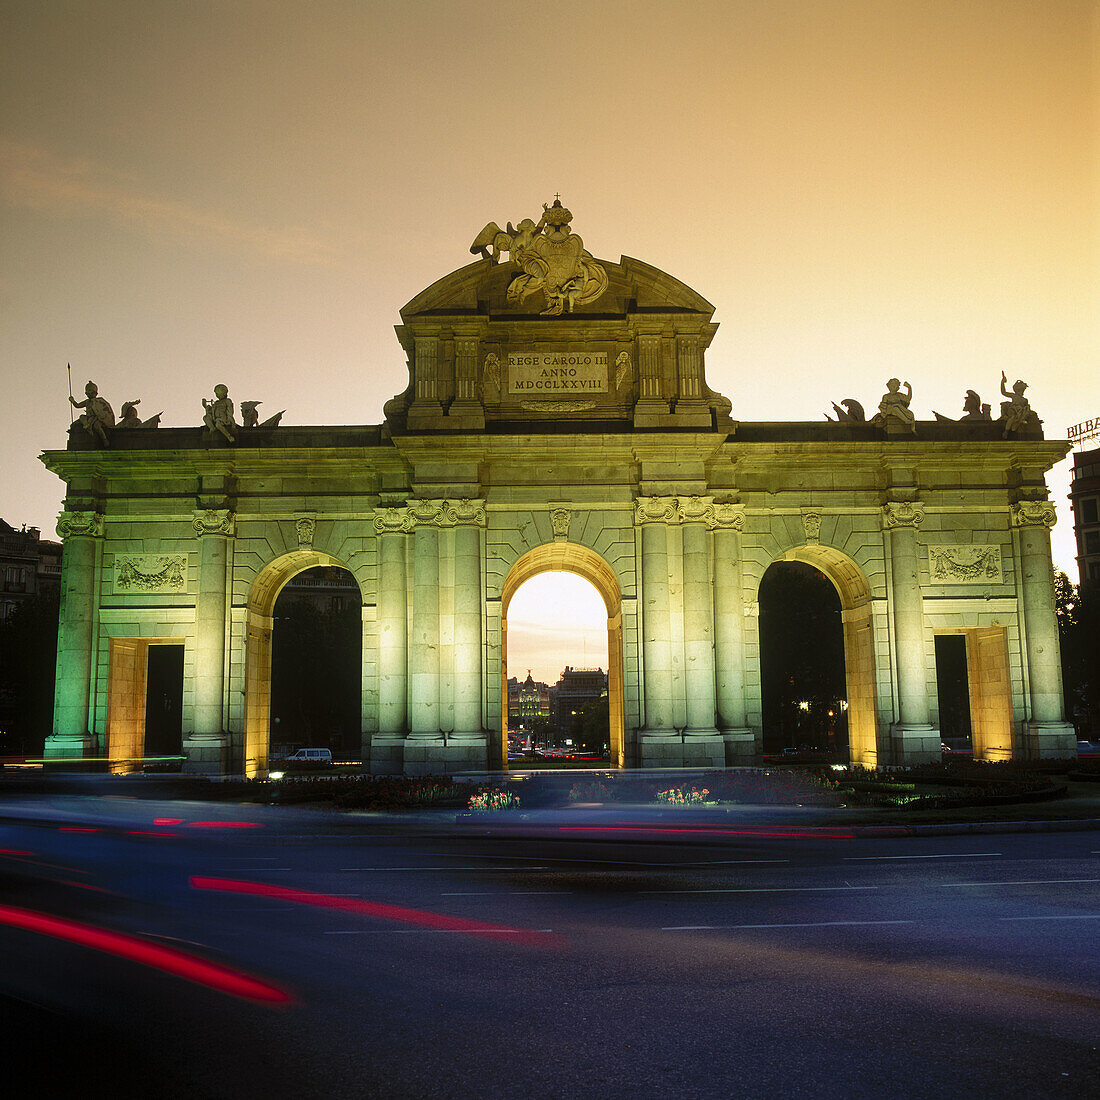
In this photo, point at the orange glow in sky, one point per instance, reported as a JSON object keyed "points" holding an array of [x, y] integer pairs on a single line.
{"points": [[247, 193]]}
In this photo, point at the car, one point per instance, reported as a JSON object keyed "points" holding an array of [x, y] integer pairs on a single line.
{"points": [[311, 756]]}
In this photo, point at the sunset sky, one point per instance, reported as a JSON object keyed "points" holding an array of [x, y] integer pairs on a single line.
{"points": [[199, 192]]}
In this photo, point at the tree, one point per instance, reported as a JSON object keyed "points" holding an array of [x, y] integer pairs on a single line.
{"points": [[1076, 629]]}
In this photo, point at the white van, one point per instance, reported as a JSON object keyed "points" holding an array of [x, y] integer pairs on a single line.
{"points": [[311, 756]]}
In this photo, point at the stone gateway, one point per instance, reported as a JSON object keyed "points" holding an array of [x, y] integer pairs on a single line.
{"points": [[557, 417]]}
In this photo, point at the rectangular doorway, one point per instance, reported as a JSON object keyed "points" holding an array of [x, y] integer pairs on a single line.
{"points": [[164, 701], [144, 701], [975, 692]]}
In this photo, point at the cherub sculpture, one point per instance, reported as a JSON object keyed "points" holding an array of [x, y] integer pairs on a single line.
{"points": [[218, 416], [98, 417], [894, 413]]}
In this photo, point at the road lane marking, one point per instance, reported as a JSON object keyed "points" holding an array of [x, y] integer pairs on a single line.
{"points": [[503, 893], [1081, 916], [950, 855], [510, 869], [816, 924], [423, 931], [764, 890], [1022, 882]]}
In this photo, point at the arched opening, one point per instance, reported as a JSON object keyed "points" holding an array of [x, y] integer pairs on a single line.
{"points": [[565, 557], [316, 664], [817, 656], [260, 627], [557, 631]]}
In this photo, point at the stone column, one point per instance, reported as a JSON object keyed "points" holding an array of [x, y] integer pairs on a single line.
{"points": [[651, 405], [392, 526], [703, 746], [728, 521], [691, 409], [206, 746], [1047, 731], [468, 647], [698, 620], [425, 410], [424, 656], [72, 736], [466, 411], [915, 739], [659, 742]]}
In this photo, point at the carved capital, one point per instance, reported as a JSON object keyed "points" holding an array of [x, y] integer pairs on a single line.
{"points": [[902, 513], [447, 513], [1033, 513], [811, 525], [656, 510], [214, 521], [79, 523], [305, 527], [696, 509], [727, 517], [392, 521], [559, 522]]}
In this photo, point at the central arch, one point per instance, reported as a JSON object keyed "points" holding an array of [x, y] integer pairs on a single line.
{"points": [[259, 622], [859, 645], [571, 557]]}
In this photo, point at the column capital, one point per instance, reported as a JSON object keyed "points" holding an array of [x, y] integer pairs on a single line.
{"points": [[79, 523], [1033, 513], [727, 517], [214, 521], [902, 513], [392, 521], [467, 512], [656, 510], [696, 509]]}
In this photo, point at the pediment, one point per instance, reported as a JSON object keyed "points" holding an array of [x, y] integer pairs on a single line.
{"points": [[481, 289]]}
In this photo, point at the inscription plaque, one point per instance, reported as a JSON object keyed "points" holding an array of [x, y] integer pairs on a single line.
{"points": [[556, 374]]}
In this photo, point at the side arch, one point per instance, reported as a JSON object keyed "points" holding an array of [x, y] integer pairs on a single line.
{"points": [[859, 644], [571, 557], [259, 612]]}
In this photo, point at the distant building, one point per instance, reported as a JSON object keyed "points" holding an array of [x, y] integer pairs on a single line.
{"points": [[28, 565], [328, 588], [528, 704], [576, 687], [1084, 495]]}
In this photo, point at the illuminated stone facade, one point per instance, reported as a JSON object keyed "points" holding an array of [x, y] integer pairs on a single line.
{"points": [[637, 478]]}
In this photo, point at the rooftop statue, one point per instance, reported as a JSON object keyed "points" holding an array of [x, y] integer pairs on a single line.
{"points": [[130, 418], [251, 417], [851, 413], [894, 413], [1016, 412], [98, 417], [219, 413], [550, 257], [973, 411]]}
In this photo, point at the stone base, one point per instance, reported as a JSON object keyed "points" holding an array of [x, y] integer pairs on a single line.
{"points": [[69, 746], [210, 756], [913, 744], [464, 416], [741, 747], [1047, 740], [704, 750], [439, 756], [660, 749], [387, 754]]}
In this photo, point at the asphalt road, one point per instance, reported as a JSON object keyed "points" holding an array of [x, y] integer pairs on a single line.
{"points": [[626, 958]]}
